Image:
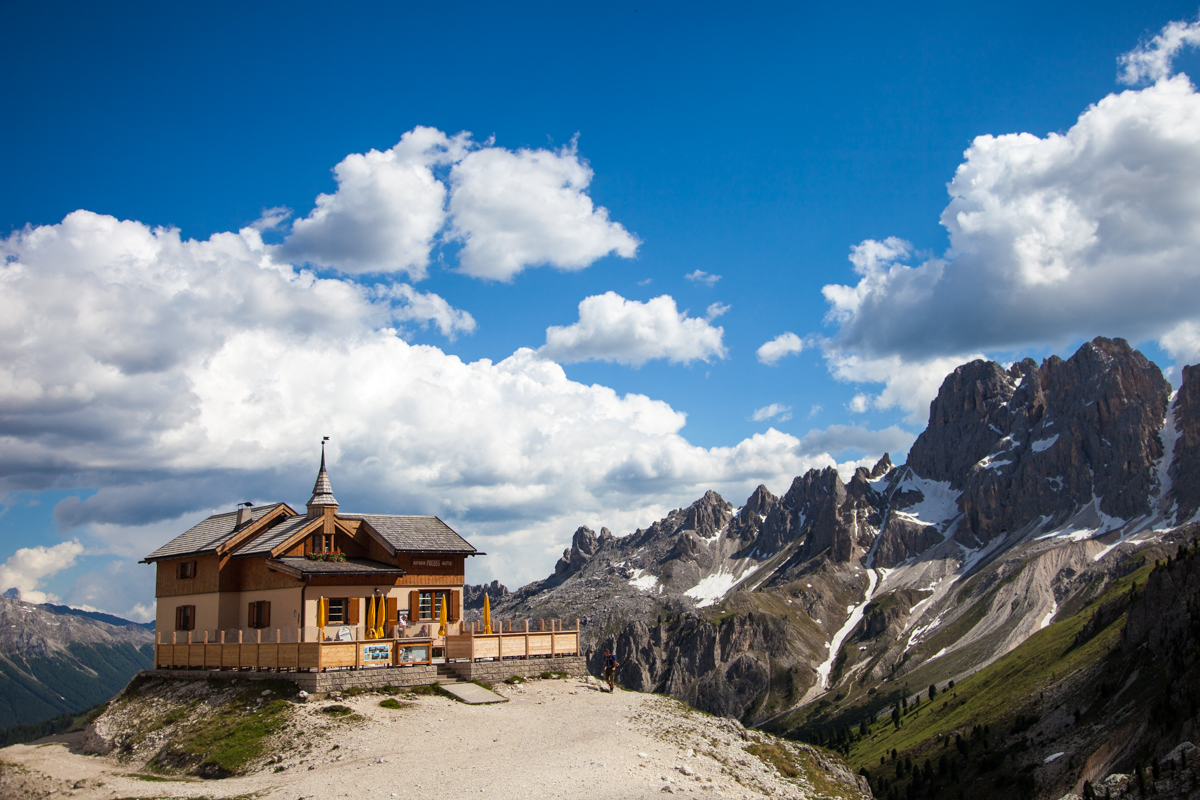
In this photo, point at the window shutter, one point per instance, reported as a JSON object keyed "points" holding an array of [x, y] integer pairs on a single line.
{"points": [[352, 605], [391, 611], [250, 617], [414, 606], [178, 618], [452, 611], [266, 614]]}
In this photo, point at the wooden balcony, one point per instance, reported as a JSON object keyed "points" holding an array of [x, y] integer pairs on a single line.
{"points": [[546, 641]]}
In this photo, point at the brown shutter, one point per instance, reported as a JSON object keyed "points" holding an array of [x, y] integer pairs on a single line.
{"points": [[250, 617], [178, 618], [452, 611], [391, 611], [352, 605], [414, 606], [266, 614]]}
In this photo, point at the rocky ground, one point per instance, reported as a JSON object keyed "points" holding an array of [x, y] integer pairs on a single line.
{"points": [[553, 739]]}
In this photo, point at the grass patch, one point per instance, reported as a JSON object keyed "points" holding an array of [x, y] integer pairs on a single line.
{"points": [[225, 742], [337, 710], [513, 679], [393, 703], [427, 690], [777, 756], [553, 675], [483, 684], [137, 776]]}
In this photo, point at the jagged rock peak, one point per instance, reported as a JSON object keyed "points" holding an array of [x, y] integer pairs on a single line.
{"points": [[882, 467], [584, 545]]}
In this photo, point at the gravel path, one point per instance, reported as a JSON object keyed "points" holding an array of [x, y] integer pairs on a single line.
{"points": [[553, 739]]}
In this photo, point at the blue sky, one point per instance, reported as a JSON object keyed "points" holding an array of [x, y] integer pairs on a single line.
{"points": [[148, 381]]}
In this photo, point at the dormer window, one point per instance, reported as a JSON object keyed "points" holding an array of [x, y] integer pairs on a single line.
{"points": [[322, 543]]}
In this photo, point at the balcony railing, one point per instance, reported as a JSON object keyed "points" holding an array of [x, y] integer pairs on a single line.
{"points": [[519, 641]]}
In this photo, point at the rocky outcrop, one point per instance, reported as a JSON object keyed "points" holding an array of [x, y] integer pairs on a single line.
{"points": [[584, 545], [473, 595]]}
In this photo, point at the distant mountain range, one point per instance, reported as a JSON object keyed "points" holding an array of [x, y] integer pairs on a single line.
{"points": [[1034, 493], [56, 659]]}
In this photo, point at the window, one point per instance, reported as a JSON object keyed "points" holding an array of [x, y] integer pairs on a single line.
{"points": [[187, 569], [323, 543], [337, 611], [185, 618], [259, 615], [429, 605]]}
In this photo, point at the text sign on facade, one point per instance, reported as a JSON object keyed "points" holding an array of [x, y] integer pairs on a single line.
{"points": [[374, 653], [432, 562]]}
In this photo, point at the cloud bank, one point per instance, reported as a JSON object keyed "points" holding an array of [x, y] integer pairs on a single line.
{"points": [[1052, 239]]}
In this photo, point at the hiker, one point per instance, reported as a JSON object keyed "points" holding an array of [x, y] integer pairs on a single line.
{"points": [[610, 669]]}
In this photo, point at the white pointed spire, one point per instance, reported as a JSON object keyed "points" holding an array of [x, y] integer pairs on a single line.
{"points": [[322, 491]]}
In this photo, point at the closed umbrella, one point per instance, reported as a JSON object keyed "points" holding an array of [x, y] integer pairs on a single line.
{"points": [[371, 618], [381, 618], [487, 614], [442, 617], [322, 617]]}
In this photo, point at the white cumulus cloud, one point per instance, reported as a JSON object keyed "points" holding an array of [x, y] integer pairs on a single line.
{"points": [[700, 276], [520, 209], [773, 411], [387, 209], [1052, 239], [785, 344], [1151, 61], [26, 569], [509, 209], [611, 328]]}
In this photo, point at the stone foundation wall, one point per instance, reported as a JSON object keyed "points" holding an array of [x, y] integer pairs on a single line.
{"points": [[496, 671], [316, 683]]}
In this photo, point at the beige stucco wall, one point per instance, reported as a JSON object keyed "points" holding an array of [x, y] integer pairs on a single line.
{"points": [[206, 604]]}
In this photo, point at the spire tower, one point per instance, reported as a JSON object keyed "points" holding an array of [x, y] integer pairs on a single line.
{"points": [[322, 496]]}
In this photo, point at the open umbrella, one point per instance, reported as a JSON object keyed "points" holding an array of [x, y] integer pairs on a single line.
{"points": [[442, 617], [322, 616], [487, 614], [370, 617]]}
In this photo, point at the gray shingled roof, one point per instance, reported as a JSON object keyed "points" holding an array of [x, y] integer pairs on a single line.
{"points": [[415, 534], [351, 566], [266, 542], [207, 535]]}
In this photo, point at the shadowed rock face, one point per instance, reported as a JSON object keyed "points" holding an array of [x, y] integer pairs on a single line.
{"points": [[1043, 442], [1185, 466]]}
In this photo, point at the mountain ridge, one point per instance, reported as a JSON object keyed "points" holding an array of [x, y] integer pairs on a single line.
{"points": [[1029, 488]]}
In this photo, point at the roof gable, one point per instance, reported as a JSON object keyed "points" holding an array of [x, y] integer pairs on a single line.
{"points": [[209, 534], [411, 534]]}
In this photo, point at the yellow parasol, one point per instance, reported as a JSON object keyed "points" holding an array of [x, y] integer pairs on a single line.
{"points": [[487, 614], [322, 615], [370, 617], [442, 616], [381, 618]]}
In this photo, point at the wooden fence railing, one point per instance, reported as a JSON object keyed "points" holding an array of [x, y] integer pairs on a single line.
{"points": [[473, 645], [294, 655], [188, 651]]}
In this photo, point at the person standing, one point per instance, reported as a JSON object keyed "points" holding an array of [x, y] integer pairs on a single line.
{"points": [[610, 669]]}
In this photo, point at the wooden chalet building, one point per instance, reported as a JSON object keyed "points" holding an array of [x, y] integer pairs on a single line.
{"points": [[268, 567]]}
